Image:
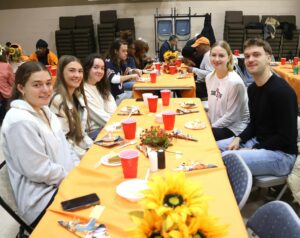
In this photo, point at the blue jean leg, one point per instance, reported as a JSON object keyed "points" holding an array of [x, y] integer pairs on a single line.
{"points": [[261, 161], [266, 162], [128, 85]]}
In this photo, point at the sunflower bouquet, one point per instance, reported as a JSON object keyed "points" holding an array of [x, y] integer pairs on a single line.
{"points": [[170, 60], [15, 54], [176, 208], [156, 137]]}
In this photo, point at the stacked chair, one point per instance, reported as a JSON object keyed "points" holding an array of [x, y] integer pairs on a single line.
{"points": [[84, 36], [253, 27], [239, 27], [126, 25], [63, 37], [106, 30], [234, 29], [290, 43]]}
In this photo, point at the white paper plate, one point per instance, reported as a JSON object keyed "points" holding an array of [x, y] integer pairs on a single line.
{"points": [[133, 109], [185, 105], [195, 125], [105, 161], [131, 189]]}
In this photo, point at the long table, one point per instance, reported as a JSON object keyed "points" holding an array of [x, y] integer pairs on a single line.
{"points": [[286, 72], [103, 180], [185, 85]]}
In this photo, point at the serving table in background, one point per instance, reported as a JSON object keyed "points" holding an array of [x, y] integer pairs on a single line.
{"points": [[85, 178], [185, 85]]}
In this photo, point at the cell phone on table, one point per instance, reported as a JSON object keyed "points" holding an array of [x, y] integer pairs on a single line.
{"points": [[80, 202]]}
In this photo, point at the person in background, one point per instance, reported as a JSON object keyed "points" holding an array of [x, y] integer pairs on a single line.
{"points": [[142, 61], [191, 57], [43, 54], [227, 98], [268, 144], [7, 80], [37, 154], [118, 71], [170, 45], [202, 47], [101, 103], [70, 105]]}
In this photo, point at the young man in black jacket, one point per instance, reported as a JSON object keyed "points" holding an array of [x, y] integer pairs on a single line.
{"points": [[268, 145]]}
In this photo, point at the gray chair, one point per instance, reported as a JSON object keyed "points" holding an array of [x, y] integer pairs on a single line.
{"points": [[240, 177], [7, 200], [275, 219]]}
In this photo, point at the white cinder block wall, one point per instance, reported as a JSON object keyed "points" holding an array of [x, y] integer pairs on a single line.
{"points": [[25, 26]]}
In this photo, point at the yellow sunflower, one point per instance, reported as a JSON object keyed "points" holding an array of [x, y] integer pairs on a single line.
{"points": [[12, 51], [167, 55], [174, 199], [206, 226]]}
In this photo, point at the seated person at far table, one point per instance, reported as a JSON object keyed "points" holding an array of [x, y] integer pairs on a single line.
{"points": [[118, 71], [170, 45], [43, 54], [268, 144], [202, 47]]}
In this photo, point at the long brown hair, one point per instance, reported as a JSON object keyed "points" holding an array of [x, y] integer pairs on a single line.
{"points": [[103, 85], [74, 121]]}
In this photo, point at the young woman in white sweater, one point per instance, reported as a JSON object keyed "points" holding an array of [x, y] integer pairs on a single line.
{"points": [[70, 105], [100, 101], [227, 97], [34, 146]]}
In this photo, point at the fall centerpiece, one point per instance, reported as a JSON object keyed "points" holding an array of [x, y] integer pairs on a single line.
{"points": [[175, 207], [156, 137], [170, 59]]}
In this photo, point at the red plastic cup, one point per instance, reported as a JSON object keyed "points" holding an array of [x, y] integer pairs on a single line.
{"points": [[296, 60], [236, 52], [129, 128], [153, 77], [165, 97], [53, 71], [283, 61], [172, 69], [129, 161], [178, 62], [168, 119], [157, 66], [152, 103]]}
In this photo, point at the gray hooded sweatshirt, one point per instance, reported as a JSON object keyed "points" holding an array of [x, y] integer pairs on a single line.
{"points": [[38, 157]]}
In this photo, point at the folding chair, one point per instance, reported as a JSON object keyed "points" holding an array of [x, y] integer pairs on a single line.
{"points": [[240, 177], [183, 29], [164, 29], [7, 200], [275, 219]]}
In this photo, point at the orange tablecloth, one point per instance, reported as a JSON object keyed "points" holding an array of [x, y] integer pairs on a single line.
{"points": [[286, 72], [167, 81], [103, 180]]}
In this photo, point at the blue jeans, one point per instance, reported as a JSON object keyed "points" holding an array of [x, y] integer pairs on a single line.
{"points": [[128, 85], [261, 161]]}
